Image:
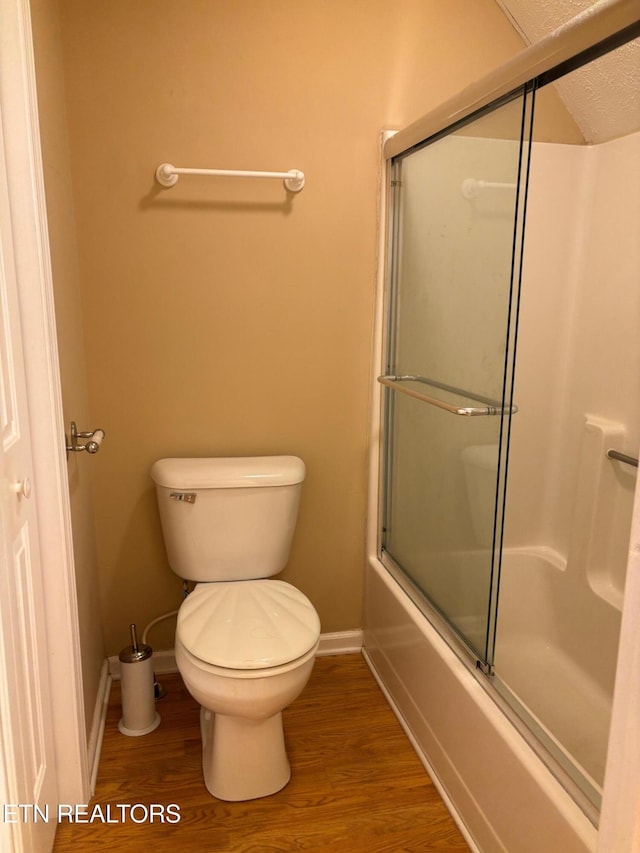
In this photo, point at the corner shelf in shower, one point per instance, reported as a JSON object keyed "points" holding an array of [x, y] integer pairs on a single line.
{"points": [[403, 384]]}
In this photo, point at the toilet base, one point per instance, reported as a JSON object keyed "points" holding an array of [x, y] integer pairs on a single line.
{"points": [[243, 759]]}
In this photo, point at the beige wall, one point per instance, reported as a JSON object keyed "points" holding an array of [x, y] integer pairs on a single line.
{"points": [[50, 83], [222, 317]]}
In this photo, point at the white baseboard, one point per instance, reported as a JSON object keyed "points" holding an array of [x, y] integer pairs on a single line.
{"points": [[338, 643], [94, 745]]}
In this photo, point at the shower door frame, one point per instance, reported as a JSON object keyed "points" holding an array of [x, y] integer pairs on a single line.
{"points": [[591, 34]]}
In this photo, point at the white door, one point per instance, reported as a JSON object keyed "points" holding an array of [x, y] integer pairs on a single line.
{"points": [[26, 736]]}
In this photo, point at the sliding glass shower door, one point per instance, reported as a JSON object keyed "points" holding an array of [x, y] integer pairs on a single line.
{"points": [[454, 249]]}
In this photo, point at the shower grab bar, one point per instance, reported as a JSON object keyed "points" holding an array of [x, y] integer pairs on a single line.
{"points": [[622, 457], [491, 407], [167, 175]]}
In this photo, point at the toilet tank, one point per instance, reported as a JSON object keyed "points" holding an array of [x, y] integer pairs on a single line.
{"points": [[228, 518]]}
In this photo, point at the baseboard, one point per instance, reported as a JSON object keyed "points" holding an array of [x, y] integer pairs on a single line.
{"points": [[94, 745], [338, 643]]}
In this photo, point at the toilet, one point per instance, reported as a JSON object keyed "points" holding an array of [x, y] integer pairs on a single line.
{"points": [[245, 645]]}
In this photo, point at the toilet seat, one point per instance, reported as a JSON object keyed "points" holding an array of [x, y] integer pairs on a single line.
{"points": [[237, 675], [247, 625]]}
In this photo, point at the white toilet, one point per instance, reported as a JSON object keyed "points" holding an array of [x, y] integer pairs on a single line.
{"points": [[245, 646]]}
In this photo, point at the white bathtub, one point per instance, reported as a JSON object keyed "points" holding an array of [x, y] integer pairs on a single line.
{"points": [[556, 650], [500, 792]]}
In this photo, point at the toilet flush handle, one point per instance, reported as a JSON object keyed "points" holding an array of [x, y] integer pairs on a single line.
{"points": [[187, 497]]}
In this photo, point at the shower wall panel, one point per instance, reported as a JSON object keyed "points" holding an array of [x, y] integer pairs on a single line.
{"points": [[569, 507], [578, 348]]}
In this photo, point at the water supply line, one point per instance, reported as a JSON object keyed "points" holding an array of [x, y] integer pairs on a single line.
{"points": [[185, 593], [155, 622], [158, 689]]}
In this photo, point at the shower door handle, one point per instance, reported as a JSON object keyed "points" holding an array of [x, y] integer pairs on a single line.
{"points": [[490, 407]]}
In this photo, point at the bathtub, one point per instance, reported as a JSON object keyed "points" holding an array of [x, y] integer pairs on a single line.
{"points": [[570, 649], [501, 793]]}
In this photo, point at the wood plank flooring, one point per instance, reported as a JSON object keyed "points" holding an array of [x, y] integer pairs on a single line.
{"points": [[356, 787]]}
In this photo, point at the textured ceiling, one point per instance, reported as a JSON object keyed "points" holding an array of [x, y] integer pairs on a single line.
{"points": [[604, 96]]}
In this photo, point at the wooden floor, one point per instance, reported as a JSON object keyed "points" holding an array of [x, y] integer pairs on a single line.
{"points": [[356, 787]]}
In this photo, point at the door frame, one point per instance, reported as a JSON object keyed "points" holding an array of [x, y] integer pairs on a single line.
{"points": [[37, 317]]}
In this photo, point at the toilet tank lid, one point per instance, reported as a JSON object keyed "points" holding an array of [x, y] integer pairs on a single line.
{"points": [[228, 472]]}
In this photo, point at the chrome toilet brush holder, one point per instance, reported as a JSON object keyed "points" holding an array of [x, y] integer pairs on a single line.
{"points": [[139, 715]]}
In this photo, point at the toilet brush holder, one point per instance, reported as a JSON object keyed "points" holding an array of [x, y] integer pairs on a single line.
{"points": [[139, 715]]}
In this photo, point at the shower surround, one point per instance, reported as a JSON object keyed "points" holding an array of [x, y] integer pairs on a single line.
{"points": [[566, 532]]}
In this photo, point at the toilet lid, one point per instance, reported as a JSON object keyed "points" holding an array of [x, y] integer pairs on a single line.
{"points": [[247, 624]]}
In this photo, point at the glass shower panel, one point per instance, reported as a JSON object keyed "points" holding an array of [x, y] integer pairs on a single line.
{"points": [[454, 265]]}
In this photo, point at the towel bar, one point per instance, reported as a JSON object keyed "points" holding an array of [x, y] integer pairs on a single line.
{"points": [[167, 175], [491, 407], [622, 457]]}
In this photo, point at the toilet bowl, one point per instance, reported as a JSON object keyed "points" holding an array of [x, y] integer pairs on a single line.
{"points": [[245, 644], [243, 749]]}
